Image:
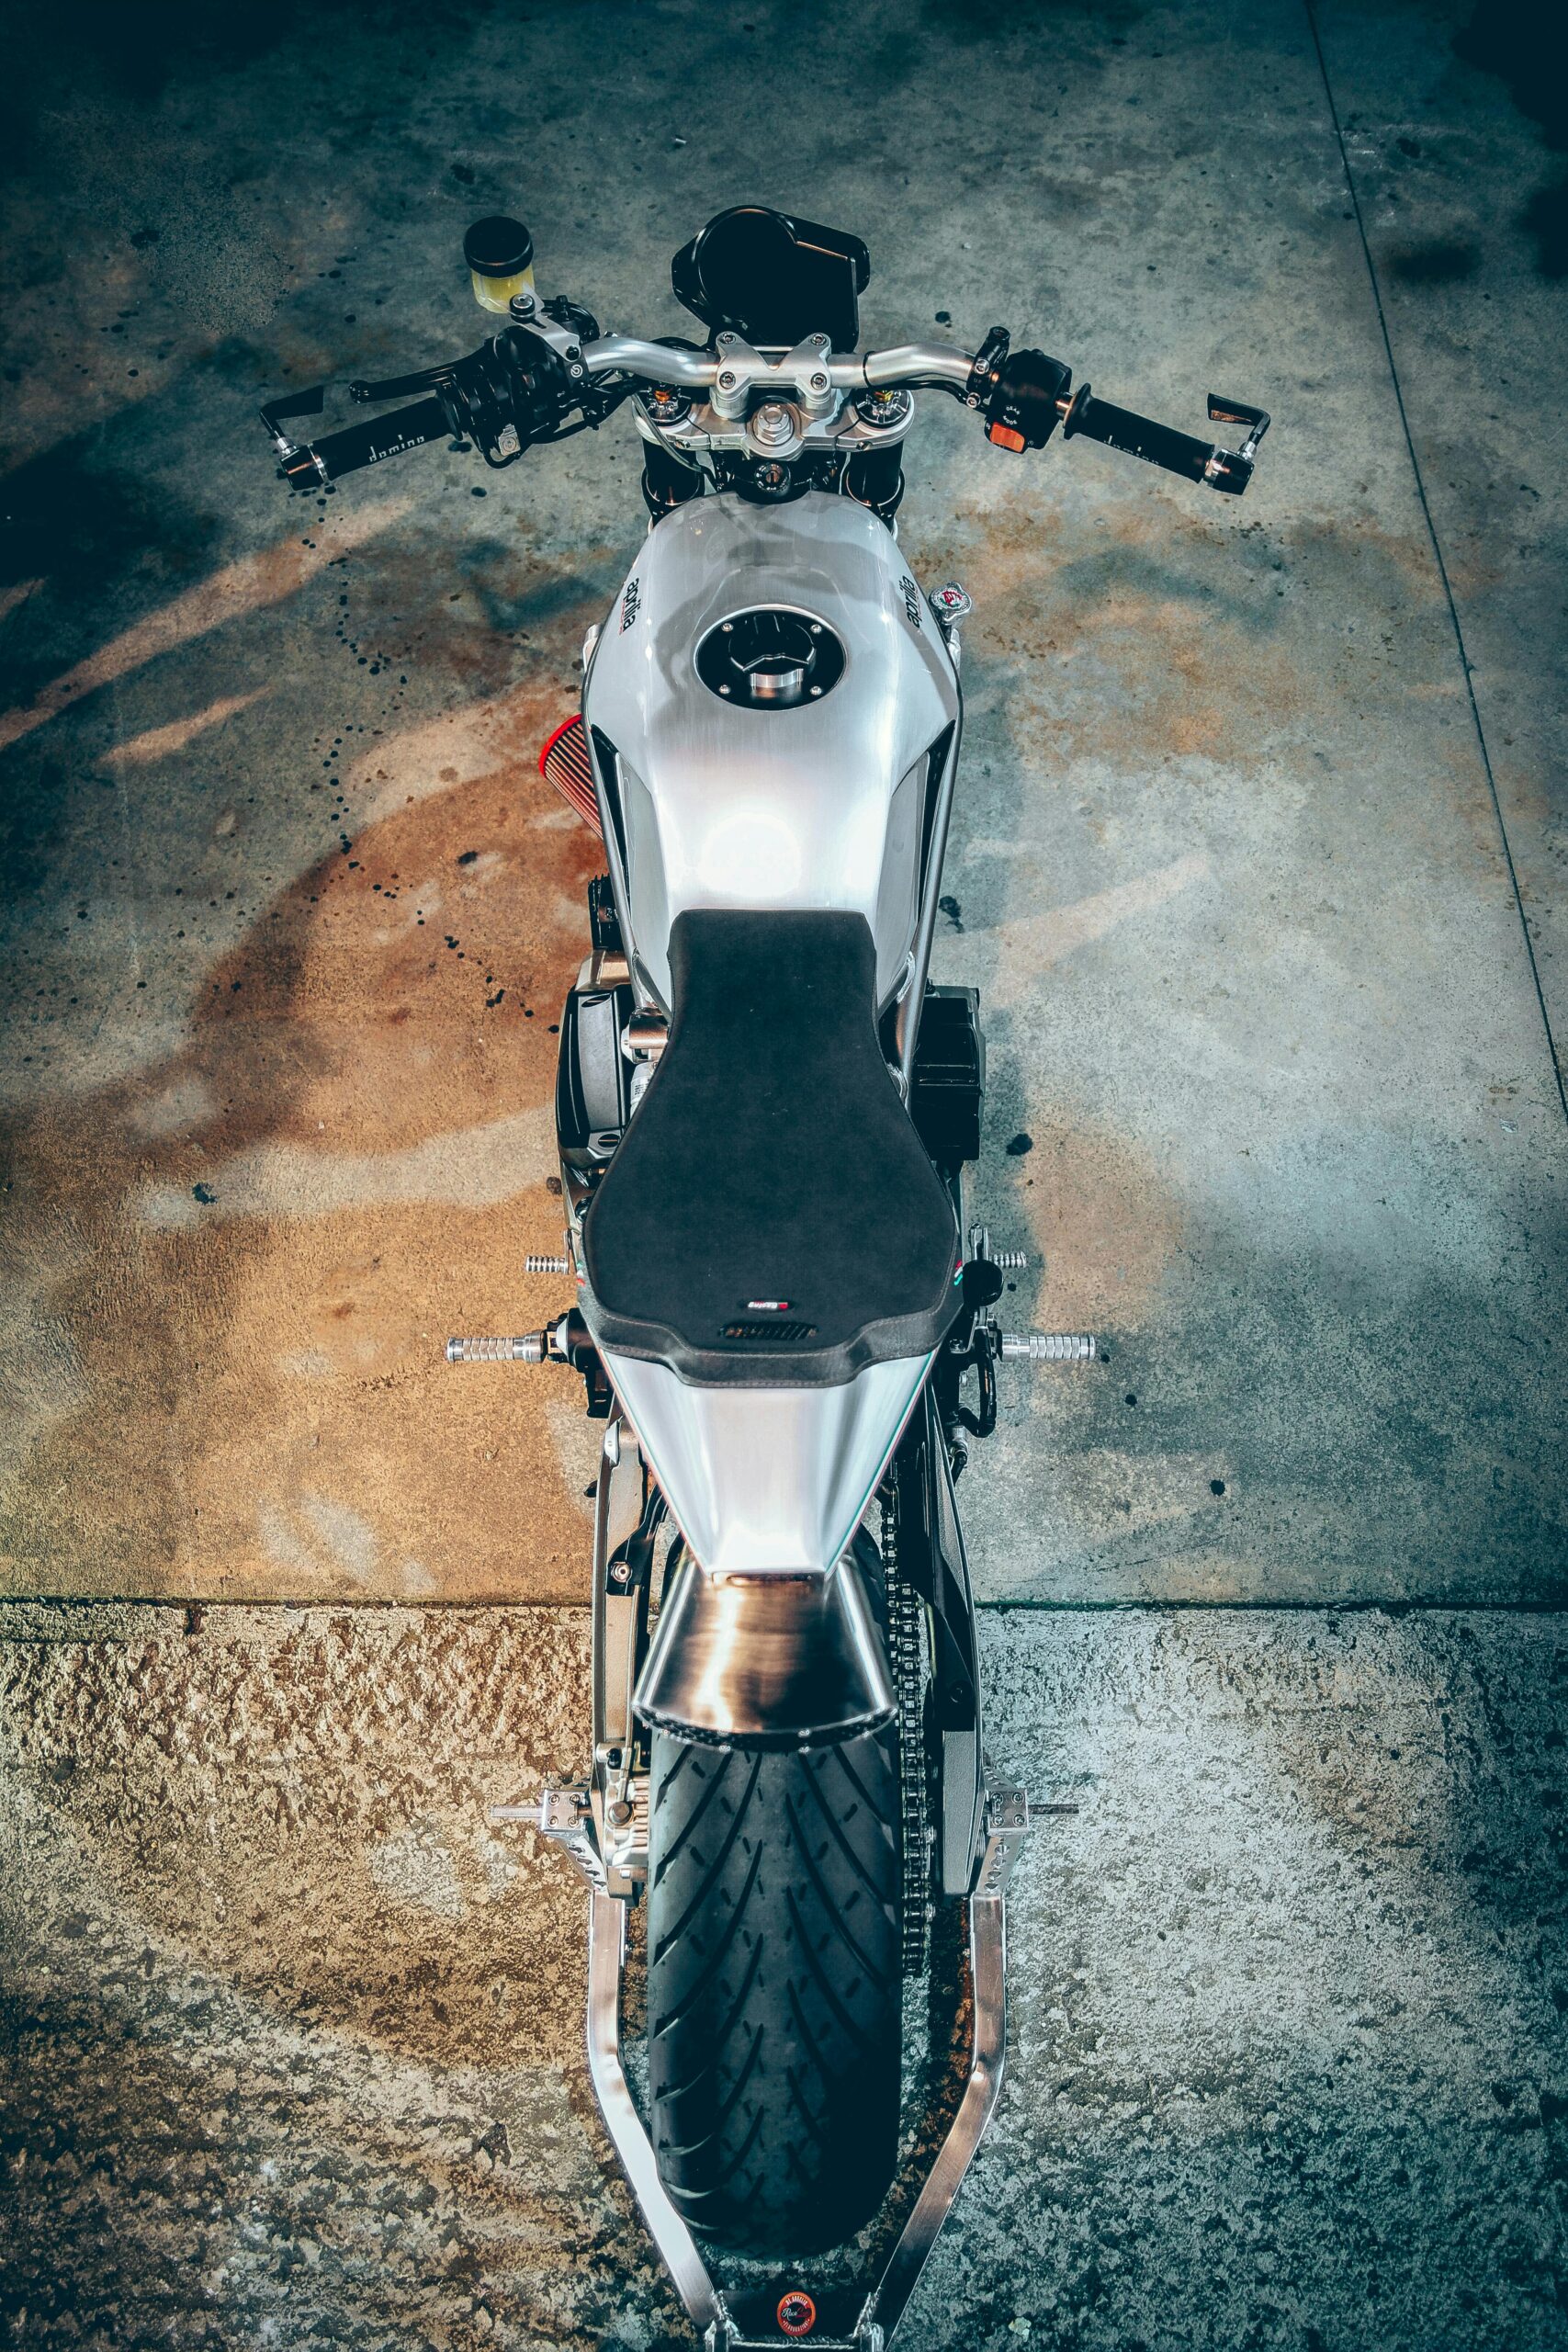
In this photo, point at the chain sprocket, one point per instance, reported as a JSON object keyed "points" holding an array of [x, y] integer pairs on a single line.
{"points": [[907, 1650]]}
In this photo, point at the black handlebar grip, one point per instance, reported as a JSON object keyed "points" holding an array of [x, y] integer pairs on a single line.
{"points": [[366, 445], [1161, 444]]}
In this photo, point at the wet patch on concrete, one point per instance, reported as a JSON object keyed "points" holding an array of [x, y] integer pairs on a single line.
{"points": [[1440, 159]]}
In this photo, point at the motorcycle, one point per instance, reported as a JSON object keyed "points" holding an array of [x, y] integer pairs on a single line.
{"points": [[766, 1110]]}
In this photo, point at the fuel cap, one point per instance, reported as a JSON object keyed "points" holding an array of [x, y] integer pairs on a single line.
{"points": [[770, 658]]}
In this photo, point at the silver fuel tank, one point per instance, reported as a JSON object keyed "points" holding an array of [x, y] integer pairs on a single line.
{"points": [[726, 793]]}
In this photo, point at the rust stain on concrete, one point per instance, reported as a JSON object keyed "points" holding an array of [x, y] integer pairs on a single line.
{"points": [[1103, 1217], [1169, 657], [241, 1264]]}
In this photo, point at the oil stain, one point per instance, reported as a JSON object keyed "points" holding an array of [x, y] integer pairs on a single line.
{"points": [[1437, 261], [1527, 47]]}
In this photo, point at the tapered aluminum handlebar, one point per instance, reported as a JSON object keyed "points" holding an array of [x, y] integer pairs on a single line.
{"points": [[657, 362]]}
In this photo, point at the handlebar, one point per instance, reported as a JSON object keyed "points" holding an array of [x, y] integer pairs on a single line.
{"points": [[526, 383], [909, 364]]}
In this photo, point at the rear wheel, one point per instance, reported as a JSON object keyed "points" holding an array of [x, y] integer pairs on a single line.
{"points": [[774, 1987]]}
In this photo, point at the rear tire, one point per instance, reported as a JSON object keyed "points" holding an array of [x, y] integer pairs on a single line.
{"points": [[774, 1988]]}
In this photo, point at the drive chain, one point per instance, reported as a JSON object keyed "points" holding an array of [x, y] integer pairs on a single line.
{"points": [[907, 1651]]}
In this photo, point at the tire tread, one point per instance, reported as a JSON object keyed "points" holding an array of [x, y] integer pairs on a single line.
{"points": [[775, 1988]]}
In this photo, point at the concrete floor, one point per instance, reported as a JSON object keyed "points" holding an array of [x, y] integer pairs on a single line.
{"points": [[1227, 861], [1256, 863], [295, 2056]]}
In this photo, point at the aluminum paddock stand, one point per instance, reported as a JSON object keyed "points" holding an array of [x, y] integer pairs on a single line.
{"points": [[1007, 1816], [603, 1825]]}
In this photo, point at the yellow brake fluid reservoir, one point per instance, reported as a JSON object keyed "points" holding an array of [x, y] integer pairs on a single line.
{"points": [[500, 254]]}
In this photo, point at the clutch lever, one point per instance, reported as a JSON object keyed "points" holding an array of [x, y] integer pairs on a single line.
{"points": [[398, 388], [276, 414]]}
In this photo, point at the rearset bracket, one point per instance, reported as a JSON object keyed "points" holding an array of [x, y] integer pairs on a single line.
{"points": [[567, 1816]]}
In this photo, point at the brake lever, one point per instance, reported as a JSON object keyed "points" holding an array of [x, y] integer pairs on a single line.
{"points": [[1257, 421]]}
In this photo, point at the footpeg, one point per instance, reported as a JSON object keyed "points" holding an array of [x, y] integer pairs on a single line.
{"points": [[529, 1347], [1008, 1262], [1049, 1346], [565, 1341], [539, 1262], [565, 1815]]}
